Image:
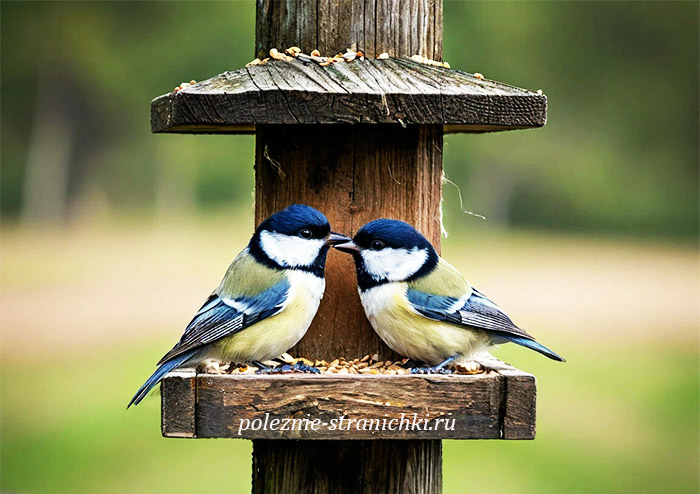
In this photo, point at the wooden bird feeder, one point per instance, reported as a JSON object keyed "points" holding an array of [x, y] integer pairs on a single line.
{"points": [[358, 141]]}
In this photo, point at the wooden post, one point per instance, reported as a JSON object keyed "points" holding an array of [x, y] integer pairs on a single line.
{"points": [[347, 467], [354, 175]]}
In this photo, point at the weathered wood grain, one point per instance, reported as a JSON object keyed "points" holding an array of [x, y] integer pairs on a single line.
{"points": [[341, 467], [495, 405], [178, 397], [354, 175], [473, 402], [397, 27], [399, 92]]}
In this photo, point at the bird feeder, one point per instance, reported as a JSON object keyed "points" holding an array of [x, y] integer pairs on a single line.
{"points": [[357, 140]]}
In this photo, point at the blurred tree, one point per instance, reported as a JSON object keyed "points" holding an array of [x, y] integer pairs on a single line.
{"points": [[620, 151]]}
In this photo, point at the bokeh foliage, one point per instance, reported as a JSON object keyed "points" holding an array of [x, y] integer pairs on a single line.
{"points": [[620, 151]]}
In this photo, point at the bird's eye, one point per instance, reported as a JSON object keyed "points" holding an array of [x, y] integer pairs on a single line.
{"points": [[306, 233], [376, 245]]}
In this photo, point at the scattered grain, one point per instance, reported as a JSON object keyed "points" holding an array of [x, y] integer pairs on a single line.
{"points": [[365, 365], [427, 61]]}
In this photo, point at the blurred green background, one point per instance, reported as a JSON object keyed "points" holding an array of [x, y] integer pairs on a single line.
{"points": [[112, 236]]}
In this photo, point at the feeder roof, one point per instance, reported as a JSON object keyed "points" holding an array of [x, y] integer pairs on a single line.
{"points": [[397, 91]]}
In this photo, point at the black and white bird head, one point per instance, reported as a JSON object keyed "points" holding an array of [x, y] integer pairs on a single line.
{"points": [[388, 251], [298, 237]]}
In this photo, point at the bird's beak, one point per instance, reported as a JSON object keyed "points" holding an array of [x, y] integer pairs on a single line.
{"points": [[349, 247], [336, 238]]}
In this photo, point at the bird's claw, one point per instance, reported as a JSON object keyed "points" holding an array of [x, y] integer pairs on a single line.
{"points": [[289, 369], [302, 367], [440, 368], [431, 370]]}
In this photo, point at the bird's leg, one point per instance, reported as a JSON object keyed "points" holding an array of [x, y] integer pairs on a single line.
{"points": [[438, 369], [285, 368], [280, 369]]}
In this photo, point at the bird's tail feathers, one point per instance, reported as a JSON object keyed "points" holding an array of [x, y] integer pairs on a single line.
{"points": [[533, 345], [158, 375]]}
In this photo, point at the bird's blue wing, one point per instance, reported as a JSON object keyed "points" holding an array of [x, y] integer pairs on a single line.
{"points": [[220, 317], [476, 311]]}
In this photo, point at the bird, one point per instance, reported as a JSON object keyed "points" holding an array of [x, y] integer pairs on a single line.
{"points": [[420, 305], [266, 300]]}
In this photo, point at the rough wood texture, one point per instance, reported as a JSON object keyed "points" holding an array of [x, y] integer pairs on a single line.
{"points": [[397, 27], [396, 91], [520, 407], [178, 397], [496, 405], [400, 467], [353, 176]]}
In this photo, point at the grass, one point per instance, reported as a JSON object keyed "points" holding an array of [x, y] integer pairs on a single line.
{"points": [[87, 311]]}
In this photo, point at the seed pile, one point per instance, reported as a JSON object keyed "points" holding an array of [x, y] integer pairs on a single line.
{"points": [[315, 57], [349, 56], [427, 61], [369, 364]]}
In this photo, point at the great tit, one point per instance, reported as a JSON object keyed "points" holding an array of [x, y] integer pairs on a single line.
{"points": [[265, 302], [420, 305]]}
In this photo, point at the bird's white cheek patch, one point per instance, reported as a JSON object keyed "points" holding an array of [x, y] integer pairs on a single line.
{"points": [[290, 251], [393, 264]]}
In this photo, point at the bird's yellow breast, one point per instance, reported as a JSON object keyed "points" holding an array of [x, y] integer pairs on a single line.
{"points": [[412, 335], [275, 335]]}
